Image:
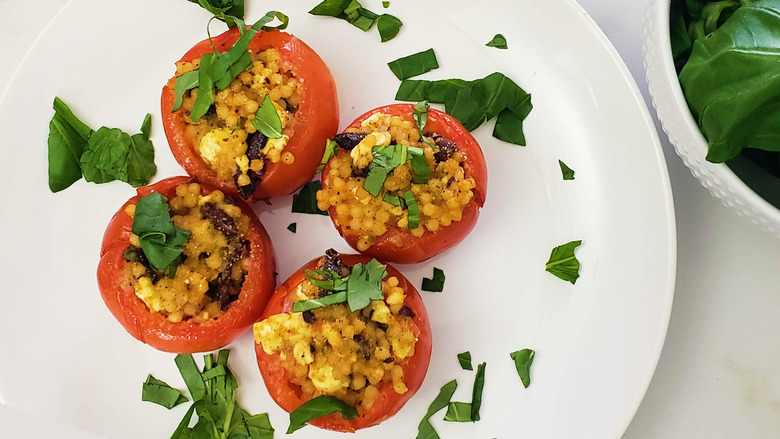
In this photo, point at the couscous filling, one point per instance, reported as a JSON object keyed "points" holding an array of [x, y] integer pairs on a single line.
{"points": [[439, 201], [225, 137], [332, 351], [214, 262]]}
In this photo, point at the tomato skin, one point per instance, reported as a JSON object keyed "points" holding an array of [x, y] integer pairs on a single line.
{"points": [[288, 395], [398, 244], [183, 337], [316, 119]]}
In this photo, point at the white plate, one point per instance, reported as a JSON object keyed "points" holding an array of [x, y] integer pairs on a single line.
{"points": [[597, 342]]}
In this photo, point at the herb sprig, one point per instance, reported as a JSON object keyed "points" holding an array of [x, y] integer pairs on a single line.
{"points": [[363, 285], [354, 13]]}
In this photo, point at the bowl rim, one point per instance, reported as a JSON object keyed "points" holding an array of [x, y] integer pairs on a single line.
{"points": [[683, 131]]}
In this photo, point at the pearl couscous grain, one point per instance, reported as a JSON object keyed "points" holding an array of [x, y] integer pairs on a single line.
{"points": [[349, 355], [222, 135], [441, 200], [210, 258]]}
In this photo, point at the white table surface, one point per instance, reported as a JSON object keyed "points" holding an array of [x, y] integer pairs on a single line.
{"points": [[717, 375]]}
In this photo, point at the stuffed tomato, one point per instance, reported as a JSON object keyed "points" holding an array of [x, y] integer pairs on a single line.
{"points": [[223, 139], [399, 196], [370, 354], [185, 269]]}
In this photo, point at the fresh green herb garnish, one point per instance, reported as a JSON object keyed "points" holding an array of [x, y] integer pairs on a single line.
{"points": [[331, 149], [363, 285], [293, 227], [213, 392], [567, 172], [476, 392], [425, 430], [436, 285], [205, 98], [101, 156], [474, 102], [414, 64], [385, 4], [184, 82], [161, 241], [464, 359], [420, 167], [499, 42], [413, 209], [68, 138], [420, 116], [267, 120], [523, 360], [458, 412], [563, 263], [305, 201], [386, 158], [318, 407], [354, 13], [388, 26], [224, 10], [395, 200], [159, 392]]}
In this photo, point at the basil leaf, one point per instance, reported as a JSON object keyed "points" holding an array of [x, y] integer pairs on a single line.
{"points": [[465, 360], [359, 16], [191, 374], [420, 116], [305, 201], [293, 227], [388, 26], [159, 392], [205, 97], [563, 263], [318, 407], [567, 172], [105, 158], [161, 241], [498, 41], [225, 10], [425, 430], [330, 8], [140, 157], [183, 431], [395, 200], [476, 393], [435, 284], [326, 279], [523, 360], [458, 412], [331, 299], [242, 63], [413, 209], [68, 137], [474, 102], [267, 119], [331, 149], [413, 65], [419, 165], [364, 284], [386, 158], [385, 4]]}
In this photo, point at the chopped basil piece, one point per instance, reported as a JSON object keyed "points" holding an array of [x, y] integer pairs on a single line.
{"points": [[499, 42], [458, 412], [395, 200], [386, 158], [435, 285], [425, 430], [191, 375], [68, 137], [414, 65], [184, 82], [159, 392], [364, 284], [293, 227], [318, 407], [476, 393], [330, 8], [413, 209], [388, 26], [419, 165], [420, 116], [161, 241], [331, 299], [224, 10], [205, 98], [567, 172], [563, 263], [305, 201], [465, 360], [267, 119], [385, 4], [326, 279], [331, 149], [349, 10], [523, 360], [474, 102]]}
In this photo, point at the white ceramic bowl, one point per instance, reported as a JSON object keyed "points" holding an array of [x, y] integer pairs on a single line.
{"points": [[684, 134]]}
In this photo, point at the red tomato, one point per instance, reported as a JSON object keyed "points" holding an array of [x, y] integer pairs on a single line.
{"points": [[288, 395], [155, 329], [315, 120], [398, 244]]}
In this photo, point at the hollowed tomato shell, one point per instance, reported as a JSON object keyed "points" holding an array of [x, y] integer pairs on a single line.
{"points": [[316, 118], [288, 395], [398, 244], [155, 329]]}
